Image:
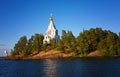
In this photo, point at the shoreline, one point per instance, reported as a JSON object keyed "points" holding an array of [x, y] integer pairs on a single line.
{"points": [[95, 57], [54, 54]]}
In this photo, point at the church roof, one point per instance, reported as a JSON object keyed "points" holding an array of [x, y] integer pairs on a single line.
{"points": [[51, 25], [51, 32]]}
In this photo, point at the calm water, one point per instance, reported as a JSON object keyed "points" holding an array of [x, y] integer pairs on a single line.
{"points": [[61, 68]]}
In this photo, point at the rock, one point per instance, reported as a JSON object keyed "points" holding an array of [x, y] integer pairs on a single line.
{"points": [[94, 54]]}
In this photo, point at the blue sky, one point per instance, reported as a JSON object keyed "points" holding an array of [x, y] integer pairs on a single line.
{"points": [[27, 17]]}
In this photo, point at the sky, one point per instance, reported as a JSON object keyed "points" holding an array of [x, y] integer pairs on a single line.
{"points": [[27, 17]]}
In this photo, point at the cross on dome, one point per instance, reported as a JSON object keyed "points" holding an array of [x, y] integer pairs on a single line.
{"points": [[51, 17]]}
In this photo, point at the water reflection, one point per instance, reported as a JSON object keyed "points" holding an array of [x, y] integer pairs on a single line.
{"points": [[50, 69]]}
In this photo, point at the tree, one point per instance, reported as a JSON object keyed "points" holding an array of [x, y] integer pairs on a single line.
{"points": [[82, 46], [30, 45], [71, 40], [118, 44], [68, 42], [53, 43], [98, 39], [109, 43], [38, 42], [102, 47], [26, 47], [61, 45], [20, 47]]}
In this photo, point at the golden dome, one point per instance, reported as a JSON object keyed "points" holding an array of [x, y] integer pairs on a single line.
{"points": [[51, 18]]}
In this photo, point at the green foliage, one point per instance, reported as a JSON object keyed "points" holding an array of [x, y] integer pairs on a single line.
{"points": [[20, 47], [98, 39], [105, 41], [26, 47], [53, 44], [38, 42], [30, 45], [68, 42]]}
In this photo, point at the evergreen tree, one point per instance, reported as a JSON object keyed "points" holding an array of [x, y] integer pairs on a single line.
{"points": [[20, 47], [30, 45], [68, 42], [61, 45], [38, 42], [82, 46], [53, 44]]}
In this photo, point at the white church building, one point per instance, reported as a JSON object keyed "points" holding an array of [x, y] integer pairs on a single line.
{"points": [[51, 32]]}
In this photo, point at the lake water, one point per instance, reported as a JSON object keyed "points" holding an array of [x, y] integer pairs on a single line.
{"points": [[85, 67]]}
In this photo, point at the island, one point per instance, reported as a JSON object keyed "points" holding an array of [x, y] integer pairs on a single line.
{"points": [[94, 42]]}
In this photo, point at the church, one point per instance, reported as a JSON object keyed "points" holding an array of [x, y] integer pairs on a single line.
{"points": [[51, 32]]}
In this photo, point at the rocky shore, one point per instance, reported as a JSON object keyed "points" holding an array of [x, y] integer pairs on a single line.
{"points": [[44, 55]]}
